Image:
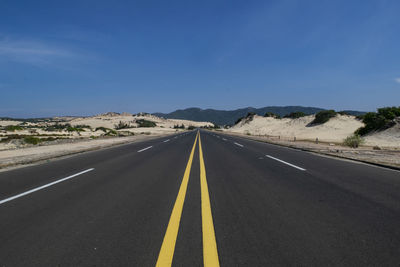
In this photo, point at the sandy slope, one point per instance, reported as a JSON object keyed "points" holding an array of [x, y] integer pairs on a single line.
{"points": [[111, 120], [335, 130]]}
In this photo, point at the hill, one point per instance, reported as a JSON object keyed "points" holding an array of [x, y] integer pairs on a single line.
{"points": [[228, 117]]}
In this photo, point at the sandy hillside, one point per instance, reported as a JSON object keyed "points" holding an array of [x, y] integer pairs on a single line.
{"points": [[15, 134], [387, 138], [110, 120], [335, 130]]}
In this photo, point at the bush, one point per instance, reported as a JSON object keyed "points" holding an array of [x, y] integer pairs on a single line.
{"points": [[57, 127], [377, 121], [104, 129], [324, 116], [107, 131], [239, 120], [146, 123], [32, 140], [121, 125], [191, 127], [13, 128], [353, 141], [295, 115], [74, 129], [248, 117], [179, 127], [111, 132], [273, 115], [83, 126]]}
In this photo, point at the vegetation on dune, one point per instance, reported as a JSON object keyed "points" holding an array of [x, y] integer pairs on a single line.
{"points": [[213, 127], [177, 126], [324, 116], [121, 125], [146, 123], [107, 131], [32, 140], [295, 115], [272, 115], [353, 141], [191, 127], [13, 128], [378, 121], [57, 127], [249, 117], [75, 129]]}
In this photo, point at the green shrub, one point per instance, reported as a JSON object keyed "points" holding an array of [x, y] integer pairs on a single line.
{"points": [[83, 126], [239, 120], [353, 141], [121, 125], [324, 116], [104, 129], [13, 128], [377, 121], [111, 132], [146, 123], [248, 117], [32, 140], [191, 127], [179, 127], [57, 127], [74, 129], [273, 115], [295, 115]]}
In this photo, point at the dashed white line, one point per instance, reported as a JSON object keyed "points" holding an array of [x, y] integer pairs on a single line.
{"points": [[224, 139], [44, 186], [238, 144], [166, 141], [145, 149], [287, 163]]}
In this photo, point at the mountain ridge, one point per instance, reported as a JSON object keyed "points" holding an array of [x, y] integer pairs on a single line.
{"points": [[228, 117]]}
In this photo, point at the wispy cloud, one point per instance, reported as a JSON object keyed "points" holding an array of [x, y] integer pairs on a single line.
{"points": [[32, 52], [397, 80]]}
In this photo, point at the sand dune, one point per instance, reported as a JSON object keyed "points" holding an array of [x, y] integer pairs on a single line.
{"points": [[335, 130]]}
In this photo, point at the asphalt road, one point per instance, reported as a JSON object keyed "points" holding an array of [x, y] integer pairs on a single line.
{"points": [[159, 201]]}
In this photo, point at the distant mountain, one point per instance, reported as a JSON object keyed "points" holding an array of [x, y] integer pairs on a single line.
{"points": [[226, 117]]}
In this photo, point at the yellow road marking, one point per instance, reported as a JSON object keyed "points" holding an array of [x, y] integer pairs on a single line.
{"points": [[210, 252], [168, 246]]}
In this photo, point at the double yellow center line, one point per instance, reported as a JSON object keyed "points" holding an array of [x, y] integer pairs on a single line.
{"points": [[210, 252]]}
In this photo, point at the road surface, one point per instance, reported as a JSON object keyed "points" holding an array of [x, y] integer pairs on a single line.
{"points": [[203, 199]]}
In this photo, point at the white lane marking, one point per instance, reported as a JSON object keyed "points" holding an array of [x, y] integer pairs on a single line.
{"points": [[287, 163], [217, 136], [44, 186], [145, 149], [166, 141], [224, 139], [238, 144]]}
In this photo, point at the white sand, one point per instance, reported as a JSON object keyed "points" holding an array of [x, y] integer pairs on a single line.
{"points": [[37, 153], [335, 130]]}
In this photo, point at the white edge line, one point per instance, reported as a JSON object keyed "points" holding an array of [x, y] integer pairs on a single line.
{"points": [[166, 141], [44, 186], [145, 149], [287, 163], [238, 144]]}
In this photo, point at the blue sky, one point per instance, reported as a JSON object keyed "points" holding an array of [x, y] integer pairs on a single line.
{"points": [[88, 57]]}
